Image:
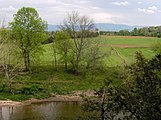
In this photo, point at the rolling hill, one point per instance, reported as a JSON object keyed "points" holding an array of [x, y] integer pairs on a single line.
{"points": [[102, 27]]}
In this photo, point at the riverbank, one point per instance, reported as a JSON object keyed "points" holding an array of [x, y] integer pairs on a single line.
{"points": [[76, 97]]}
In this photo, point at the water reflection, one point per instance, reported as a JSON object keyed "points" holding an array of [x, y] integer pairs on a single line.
{"points": [[43, 111]]}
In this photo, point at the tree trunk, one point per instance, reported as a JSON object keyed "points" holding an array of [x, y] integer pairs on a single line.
{"points": [[7, 77], [55, 59], [77, 59], [66, 61], [25, 60], [102, 105], [28, 59]]}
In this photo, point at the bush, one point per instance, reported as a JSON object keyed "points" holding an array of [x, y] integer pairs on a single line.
{"points": [[32, 89]]}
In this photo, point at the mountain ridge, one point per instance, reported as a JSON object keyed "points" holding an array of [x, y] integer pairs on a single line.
{"points": [[103, 27]]}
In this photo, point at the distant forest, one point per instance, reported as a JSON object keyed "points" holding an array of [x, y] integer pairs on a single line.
{"points": [[146, 31]]}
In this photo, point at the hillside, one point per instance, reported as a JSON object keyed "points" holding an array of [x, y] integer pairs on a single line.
{"points": [[103, 27]]}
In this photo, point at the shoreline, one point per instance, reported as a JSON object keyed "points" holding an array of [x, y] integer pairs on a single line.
{"points": [[76, 97], [57, 98]]}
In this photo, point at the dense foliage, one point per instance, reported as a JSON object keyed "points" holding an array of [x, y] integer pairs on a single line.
{"points": [[138, 97], [28, 32]]}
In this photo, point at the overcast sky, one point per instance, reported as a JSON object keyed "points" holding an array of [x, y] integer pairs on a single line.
{"points": [[131, 12]]}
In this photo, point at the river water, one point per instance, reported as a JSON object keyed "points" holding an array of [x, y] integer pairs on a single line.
{"points": [[43, 111]]}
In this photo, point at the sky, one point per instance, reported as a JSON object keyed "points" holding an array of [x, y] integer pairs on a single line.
{"points": [[130, 12]]}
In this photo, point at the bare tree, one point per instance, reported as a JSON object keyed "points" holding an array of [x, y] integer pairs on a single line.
{"points": [[6, 56], [79, 28], [95, 55]]}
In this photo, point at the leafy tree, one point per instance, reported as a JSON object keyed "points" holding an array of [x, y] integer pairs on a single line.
{"points": [[28, 30], [140, 96], [63, 44], [135, 32], [103, 104], [124, 32], [156, 47]]}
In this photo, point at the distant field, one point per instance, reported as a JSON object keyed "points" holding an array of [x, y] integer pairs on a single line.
{"points": [[123, 49], [130, 40], [126, 46]]}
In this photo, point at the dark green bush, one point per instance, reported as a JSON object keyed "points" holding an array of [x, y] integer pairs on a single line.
{"points": [[32, 89]]}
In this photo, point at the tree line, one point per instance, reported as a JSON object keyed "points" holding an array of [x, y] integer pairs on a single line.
{"points": [[145, 31]]}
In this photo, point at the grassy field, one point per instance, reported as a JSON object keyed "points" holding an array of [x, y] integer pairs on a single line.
{"points": [[43, 80], [124, 49], [130, 40]]}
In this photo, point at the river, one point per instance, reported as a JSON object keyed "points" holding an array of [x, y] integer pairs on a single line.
{"points": [[43, 111]]}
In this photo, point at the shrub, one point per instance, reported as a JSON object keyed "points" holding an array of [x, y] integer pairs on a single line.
{"points": [[32, 89]]}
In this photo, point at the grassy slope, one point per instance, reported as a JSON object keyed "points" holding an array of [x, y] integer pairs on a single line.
{"points": [[128, 53], [60, 82]]}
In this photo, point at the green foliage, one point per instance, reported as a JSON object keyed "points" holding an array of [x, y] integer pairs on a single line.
{"points": [[136, 96], [124, 33], [32, 89], [156, 47], [64, 44], [103, 102], [145, 31], [28, 32], [3, 87], [140, 95], [16, 97]]}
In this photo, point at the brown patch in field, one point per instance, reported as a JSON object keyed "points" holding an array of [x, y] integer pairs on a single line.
{"points": [[126, 36], [123, 46]]}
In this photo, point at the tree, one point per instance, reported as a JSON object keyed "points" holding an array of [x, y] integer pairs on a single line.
{"points": [[140, 96], [94, 57], [124, 32], [136, 95], [63, 44], [102, 104], [28, 31], [135, 32], [78, 28], [7, 58]]}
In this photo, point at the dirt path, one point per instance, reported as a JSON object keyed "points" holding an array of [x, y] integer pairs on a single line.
{"points": [[123, 45], [126, 36]]}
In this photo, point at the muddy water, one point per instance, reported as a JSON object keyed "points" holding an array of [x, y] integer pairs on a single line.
{"points": [[43, 111]]}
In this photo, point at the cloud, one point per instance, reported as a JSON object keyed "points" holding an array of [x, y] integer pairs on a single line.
{"points": [[154, 8], [124, 3], [54, 11], [104, 17], [9, 9], [140, 2], [150, 10]]}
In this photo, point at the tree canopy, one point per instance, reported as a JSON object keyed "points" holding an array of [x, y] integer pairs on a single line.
{"points": [[28, 31]]}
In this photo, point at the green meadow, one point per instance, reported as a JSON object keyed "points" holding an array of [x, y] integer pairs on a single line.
{"points": [[122, 48], [43, 80]]}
